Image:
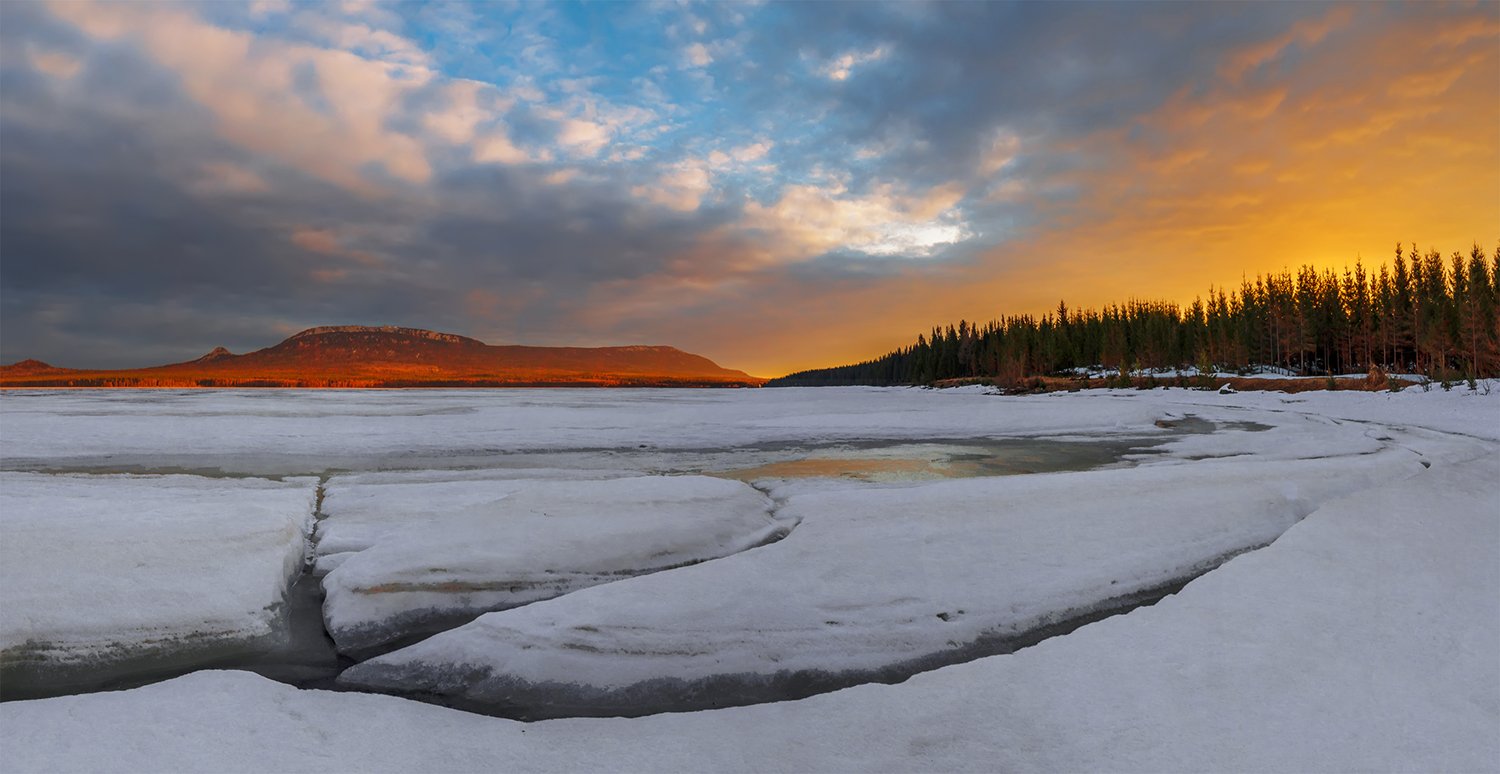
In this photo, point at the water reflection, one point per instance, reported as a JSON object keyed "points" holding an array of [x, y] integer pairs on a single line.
{"points": [[926, 462]]}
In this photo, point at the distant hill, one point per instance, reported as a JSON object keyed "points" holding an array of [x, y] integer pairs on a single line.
{"points": [[388, 356], [32, 367]]}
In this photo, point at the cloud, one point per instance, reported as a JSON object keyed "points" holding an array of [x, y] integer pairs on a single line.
{"points": [[457, 121], [55, 63], [809, 220], [752, 152], [222, 177], [368, 42], [738, 157], [583, 137], [497, 147], [316, 240], [1003, 149], [696, 55], [249, 85], [174, 177], [260, 8], [1306, 33], [323, 242], [840, 67], [681, 188]]}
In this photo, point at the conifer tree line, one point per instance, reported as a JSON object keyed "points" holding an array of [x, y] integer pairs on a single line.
{"points": [[1423, 313]]}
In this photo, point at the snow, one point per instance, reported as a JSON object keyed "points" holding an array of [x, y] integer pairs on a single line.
{"points": [[363, 508], [874, 584], [274, 432], [465, 547], [1457, 413], [1362, 640], [1261, 372], [97, 568]]}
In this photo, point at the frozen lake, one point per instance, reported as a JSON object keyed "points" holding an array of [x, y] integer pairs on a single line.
{"points": [[568, 553], [280, 433], [108, 453]]}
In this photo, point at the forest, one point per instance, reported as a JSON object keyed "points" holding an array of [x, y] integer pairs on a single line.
{"points": [[1420, 314]]}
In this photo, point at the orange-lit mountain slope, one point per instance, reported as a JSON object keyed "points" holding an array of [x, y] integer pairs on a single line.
{"points": [[359, 356]]}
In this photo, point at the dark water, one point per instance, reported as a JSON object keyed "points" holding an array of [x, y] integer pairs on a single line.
{"points": [[307, 657], [299, 652]]}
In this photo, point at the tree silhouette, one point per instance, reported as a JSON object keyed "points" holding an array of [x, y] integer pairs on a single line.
{"points": [[1422, 313]]}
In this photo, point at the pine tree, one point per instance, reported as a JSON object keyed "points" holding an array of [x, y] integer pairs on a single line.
{"points": [[1427, 313]]}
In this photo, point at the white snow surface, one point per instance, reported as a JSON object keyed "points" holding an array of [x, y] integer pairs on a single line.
{"points": [[291, 432], [873, 582], [279, 432], [473, 545], [92, 566], [1363, 639], [363, 508]]}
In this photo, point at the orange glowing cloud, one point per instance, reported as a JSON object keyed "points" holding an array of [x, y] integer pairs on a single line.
{"points": [[247, 83], [1358, 141]]}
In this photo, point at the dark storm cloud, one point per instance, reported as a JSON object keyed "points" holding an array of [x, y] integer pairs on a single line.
{"points": [[955, 72], [117, 248], [505, 224]]}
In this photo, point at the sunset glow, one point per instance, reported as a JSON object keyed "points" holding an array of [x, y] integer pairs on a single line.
{"points": [[772, 186]]}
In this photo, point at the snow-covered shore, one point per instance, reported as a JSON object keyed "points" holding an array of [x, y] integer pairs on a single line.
{"points": [[1365, 637]]}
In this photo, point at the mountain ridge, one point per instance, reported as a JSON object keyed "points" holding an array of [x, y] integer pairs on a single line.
{"points": [[394, 356]]}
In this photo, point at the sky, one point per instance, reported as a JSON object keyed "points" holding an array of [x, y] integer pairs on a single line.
{"points": [[774, 186]]}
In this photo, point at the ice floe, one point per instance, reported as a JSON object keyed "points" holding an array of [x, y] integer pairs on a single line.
{"points": [[275, 432], [102, 569], [469, 546], [875, 584], [1362, 640]]}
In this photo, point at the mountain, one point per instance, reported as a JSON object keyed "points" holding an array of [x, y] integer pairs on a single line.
{"points": [[32, 367], [388, 356]]}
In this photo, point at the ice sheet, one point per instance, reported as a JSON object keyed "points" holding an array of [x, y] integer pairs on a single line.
{"points": [[280, 432], [465, 547], [1362, 640], [360, 508], [99, 567], [874, 585]]}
